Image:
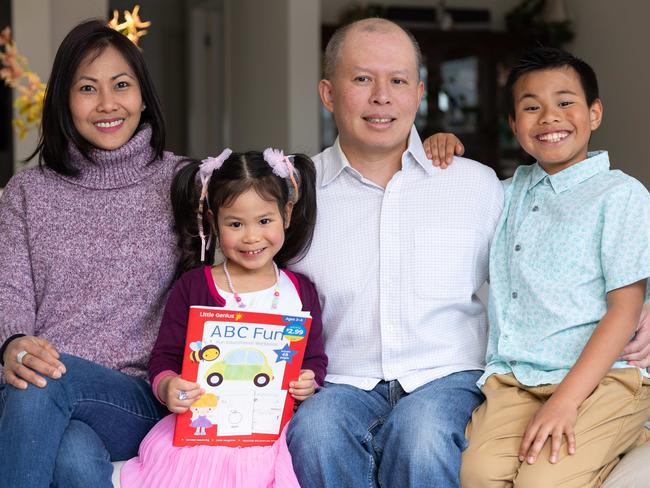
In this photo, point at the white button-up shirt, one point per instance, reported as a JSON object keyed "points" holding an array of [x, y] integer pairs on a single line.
{"points": [[397, 269]]}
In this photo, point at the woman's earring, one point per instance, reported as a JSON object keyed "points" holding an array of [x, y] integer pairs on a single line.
{"points": [[144, 107]]}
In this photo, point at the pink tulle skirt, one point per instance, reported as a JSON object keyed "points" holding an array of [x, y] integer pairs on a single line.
{"points": [[160, 464]]}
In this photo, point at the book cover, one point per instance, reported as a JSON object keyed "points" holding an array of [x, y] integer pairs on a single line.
{"points": [[244, 361]]}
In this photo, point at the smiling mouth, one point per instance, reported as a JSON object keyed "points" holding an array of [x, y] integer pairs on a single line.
{"points": [[109, 124], [252, 253], [379, 120], [553, 136]]}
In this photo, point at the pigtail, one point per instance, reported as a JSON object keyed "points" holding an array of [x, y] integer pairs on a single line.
{"points": [[300, 232], [185, 194]]}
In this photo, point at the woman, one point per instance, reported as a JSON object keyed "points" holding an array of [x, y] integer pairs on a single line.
{"points": [[87, 254]]}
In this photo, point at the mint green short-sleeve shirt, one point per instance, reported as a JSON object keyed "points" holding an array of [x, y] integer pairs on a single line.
{"points": [[563, 242]]}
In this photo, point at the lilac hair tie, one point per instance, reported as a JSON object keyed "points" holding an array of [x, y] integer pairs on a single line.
{"points": [[283, 167], [210, 164], [207, 166]]}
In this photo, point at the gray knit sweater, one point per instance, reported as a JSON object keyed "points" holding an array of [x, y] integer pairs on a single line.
{"points": [[87, 262]]}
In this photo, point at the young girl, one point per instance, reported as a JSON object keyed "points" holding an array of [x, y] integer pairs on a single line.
{"points": [[260, 209], [87, 256]]}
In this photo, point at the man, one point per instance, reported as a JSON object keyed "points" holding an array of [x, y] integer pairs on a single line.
{"points": [[404, 331]]}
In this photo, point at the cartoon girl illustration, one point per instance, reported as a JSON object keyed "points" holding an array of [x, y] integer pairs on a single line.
{"points": [[202, 411]]}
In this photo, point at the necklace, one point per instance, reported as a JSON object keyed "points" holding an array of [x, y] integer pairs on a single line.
{"points": [[240, 303]]}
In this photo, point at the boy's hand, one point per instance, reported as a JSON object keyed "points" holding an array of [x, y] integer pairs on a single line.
{"points": [[170, 388], [442, 147], [305, 386], [637, 351], [555, 419]]}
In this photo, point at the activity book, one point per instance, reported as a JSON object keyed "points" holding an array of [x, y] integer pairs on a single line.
{"points": [[244, 361]]}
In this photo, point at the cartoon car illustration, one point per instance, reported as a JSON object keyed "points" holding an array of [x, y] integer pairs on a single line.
{"points": [[242, 364]]}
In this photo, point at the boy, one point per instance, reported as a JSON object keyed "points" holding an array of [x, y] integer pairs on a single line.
{"points": [[568, 269]]}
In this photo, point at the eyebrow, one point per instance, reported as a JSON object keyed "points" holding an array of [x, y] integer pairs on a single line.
{"points": [[396, 72], [559, 92], [237, 217], [90, 78]]}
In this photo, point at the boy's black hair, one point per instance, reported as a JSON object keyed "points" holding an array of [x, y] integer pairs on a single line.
{"points": [[239, 173], [57, 126], [544, 58]]}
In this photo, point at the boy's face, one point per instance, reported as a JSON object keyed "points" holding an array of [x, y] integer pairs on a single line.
{"points": [[552, 120]]}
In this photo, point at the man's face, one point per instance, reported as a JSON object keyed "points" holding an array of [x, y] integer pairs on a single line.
{"points": [[374, 93], [553, 121]]}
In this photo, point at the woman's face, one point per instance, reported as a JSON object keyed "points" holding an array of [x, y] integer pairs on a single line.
{"points": [[105, 99]]}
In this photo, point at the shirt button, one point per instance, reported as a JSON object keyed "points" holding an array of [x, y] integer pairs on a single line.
{"points": [[514, 294], [517, 247], [535, 208]]}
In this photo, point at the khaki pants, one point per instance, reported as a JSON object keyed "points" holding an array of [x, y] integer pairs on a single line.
{"points": [[610, 423]]}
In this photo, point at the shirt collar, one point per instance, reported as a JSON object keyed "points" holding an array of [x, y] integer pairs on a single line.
{"points": [[596, 162], [337, 161]]}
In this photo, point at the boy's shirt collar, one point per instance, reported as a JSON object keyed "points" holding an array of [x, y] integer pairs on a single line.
{"points": [[596, 162]]}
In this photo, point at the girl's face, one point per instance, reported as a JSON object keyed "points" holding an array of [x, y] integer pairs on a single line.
{"points": [[251, 232], [105, 99]]}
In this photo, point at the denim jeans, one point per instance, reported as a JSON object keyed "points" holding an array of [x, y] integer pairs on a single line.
{"points": [[347, 437], [67, 433]]}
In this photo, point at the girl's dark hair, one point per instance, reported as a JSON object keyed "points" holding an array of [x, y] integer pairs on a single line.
{"points": [[239, 173], [57, 126]]}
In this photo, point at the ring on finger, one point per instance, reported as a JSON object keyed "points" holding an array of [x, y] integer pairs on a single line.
{"points": [[182, 395], [20, 356]]}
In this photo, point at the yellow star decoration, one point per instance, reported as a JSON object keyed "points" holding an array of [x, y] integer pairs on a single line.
{"points": [[130, 25]]}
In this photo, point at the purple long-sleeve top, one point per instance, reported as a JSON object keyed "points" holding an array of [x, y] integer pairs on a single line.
{"points": [[86, 262], [192, 288]]}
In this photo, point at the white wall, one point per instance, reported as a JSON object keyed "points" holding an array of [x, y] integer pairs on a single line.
{"points": [[614, 38], [38, 28], [273, 55]]}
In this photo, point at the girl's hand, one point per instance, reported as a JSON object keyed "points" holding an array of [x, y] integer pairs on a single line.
{"points": [[442, 147], [555, 419], [42, 359], [170, 388], [305, 386]]}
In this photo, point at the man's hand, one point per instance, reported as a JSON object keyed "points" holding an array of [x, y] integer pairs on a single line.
{"points": [[555, 419], [637, 351], [440, 148], [42, 359]]}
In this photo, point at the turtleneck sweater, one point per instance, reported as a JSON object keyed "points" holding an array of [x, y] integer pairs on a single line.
{"points": [[86, 262]]}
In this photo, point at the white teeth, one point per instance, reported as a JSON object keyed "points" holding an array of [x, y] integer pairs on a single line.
{"points": [[109, 124], [378, 121], [253, 252], [553, 136]]}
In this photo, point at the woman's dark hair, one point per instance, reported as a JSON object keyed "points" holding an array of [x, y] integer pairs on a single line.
{"points": [[239, 173], [57, 126], [544, 58]]}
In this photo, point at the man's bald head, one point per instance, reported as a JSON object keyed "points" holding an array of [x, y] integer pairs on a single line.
{"points": [[371, 25]]}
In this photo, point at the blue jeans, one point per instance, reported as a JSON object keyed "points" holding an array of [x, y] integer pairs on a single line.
{"points": [[347, 437], [67, 433]]}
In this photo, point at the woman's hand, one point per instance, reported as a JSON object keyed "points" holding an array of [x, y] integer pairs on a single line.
{"points": [[555, 419], [441, 147], [305, 386], [170, 388], [42, 359]]}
